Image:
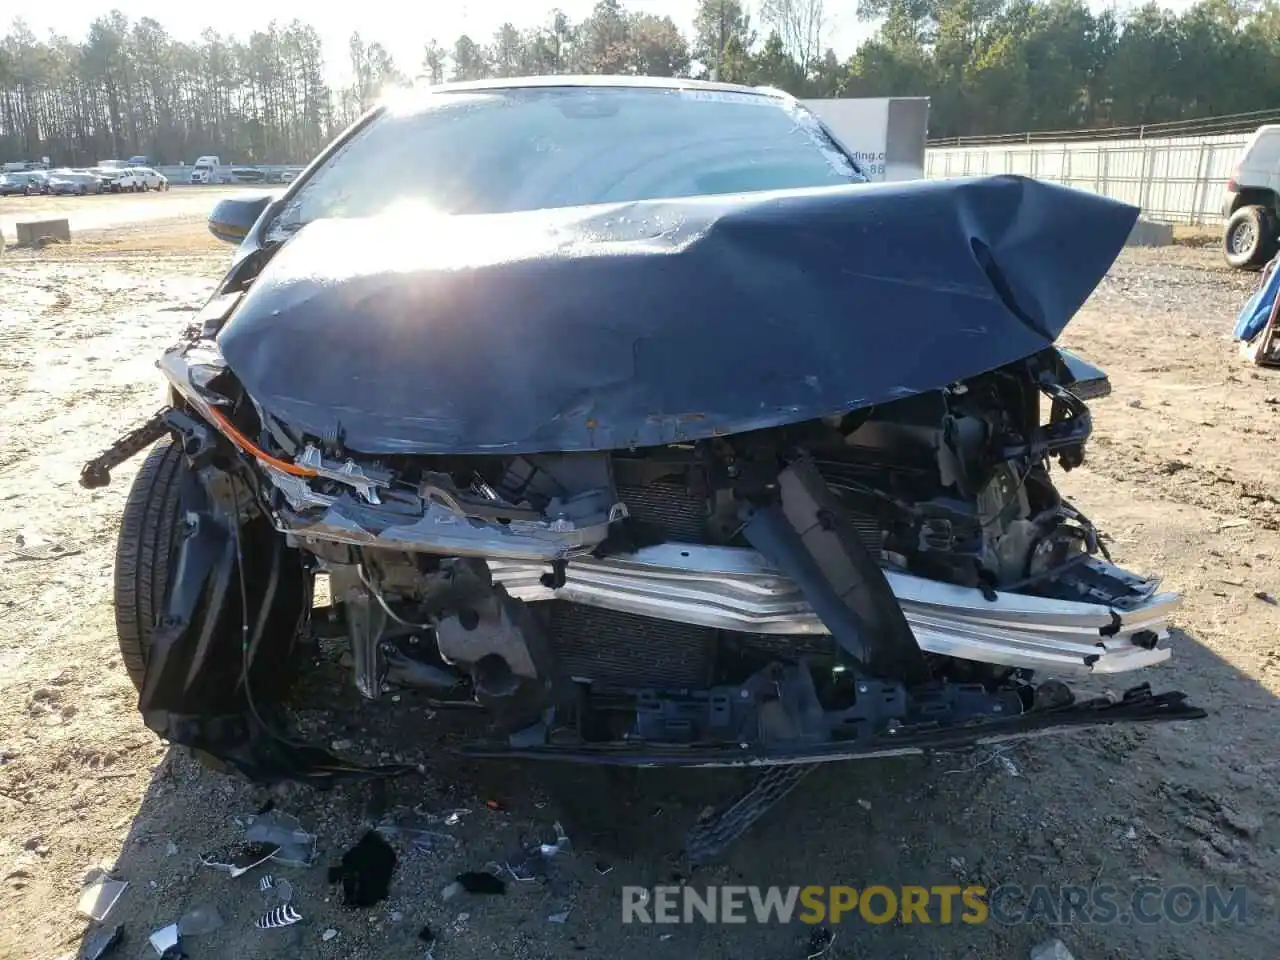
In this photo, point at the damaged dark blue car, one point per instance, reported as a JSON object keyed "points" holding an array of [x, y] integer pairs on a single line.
{"points": [[629, 411]]}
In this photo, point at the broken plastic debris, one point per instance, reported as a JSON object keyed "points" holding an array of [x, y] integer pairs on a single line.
{"points": [[531, 863], [561, 845], [419, 837], [451, 891], [480, 881], [820, 942], [604, 869], [296, 846], [528, 869], [278, 828], [329, 934], [33, 545], [239, 858], [101, 942], [165, 939], [281, 916], [199, 920], [295, 855], [365, 871], [561, 917], [282, 888], [100, 896]]}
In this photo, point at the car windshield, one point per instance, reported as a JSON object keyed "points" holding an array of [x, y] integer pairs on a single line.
{"points": [[504, 150]]}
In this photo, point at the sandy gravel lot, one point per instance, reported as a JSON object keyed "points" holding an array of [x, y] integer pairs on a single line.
{"points": [[1180, 476], [114, 209]]}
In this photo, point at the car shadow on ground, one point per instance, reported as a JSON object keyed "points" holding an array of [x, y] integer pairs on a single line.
{"points": [[1188, 803]]}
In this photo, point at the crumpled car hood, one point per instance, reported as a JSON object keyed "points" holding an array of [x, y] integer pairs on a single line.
{"points": [[638, 324]]}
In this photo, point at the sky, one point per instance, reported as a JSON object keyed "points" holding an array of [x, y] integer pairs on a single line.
{"points": [[402, 27]]}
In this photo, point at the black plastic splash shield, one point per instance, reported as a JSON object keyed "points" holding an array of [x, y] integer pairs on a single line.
{"points": [[1138, 705], [640, 324]]}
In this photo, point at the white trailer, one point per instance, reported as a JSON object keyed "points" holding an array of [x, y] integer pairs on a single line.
{"points": [[886, 135]]}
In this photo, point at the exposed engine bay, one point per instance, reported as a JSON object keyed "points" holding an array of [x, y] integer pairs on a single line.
{"points": [[944, 488], [796, 592]]}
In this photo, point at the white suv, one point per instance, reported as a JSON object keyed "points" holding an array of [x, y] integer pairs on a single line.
{"points": [[125, 180], [151, 179], [1252, 202]]}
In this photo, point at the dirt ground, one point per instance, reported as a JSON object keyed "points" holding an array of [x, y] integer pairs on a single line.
{"points": [[99, 212], [1179, 475]]}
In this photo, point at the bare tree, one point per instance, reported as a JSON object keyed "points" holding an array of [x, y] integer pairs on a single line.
{"points": [[801, 24], [433, 60]]}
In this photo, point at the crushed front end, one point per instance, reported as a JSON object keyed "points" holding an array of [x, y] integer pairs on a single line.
{"points": [[758, 584]]}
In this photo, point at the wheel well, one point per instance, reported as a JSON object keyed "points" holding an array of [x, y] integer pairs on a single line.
{"points": [[1255, 197]]}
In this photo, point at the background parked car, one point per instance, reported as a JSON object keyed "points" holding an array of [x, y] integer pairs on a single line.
{"points": [[13, 187], [1251, 202], [122, 180], [151, 179], [38, 180], [74, 183], [26, 183], [106, 178]]}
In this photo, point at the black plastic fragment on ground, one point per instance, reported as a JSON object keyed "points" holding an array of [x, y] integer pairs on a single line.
{"points": [[481, 882], [101, 942], [365, 871]]}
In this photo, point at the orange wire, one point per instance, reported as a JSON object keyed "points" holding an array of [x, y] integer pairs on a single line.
{"points": [[243, 442]]}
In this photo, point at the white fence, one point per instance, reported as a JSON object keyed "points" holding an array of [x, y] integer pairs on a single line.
{"points": [[1178, 180]]}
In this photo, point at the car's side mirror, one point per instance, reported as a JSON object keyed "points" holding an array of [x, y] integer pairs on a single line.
{"points": [[233, 218]]}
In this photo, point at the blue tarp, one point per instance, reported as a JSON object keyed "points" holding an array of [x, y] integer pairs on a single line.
{"points": [[639, 324], [1257, 310]]}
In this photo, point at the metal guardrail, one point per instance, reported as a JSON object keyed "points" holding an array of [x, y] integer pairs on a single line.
{"points": [[1234, 123], [1177, 180]]}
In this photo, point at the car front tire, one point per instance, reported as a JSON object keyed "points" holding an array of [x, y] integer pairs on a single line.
{"points": [[1250, 238], [147, 542]]}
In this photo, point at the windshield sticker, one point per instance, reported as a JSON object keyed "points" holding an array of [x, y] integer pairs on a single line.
{"points": [[728, 96]]}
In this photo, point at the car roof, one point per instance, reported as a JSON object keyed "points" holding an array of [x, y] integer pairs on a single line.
{"points": [[598, 81]]}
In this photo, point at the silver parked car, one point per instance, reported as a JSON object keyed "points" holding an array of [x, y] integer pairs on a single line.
{"points": [[74, 183]]}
